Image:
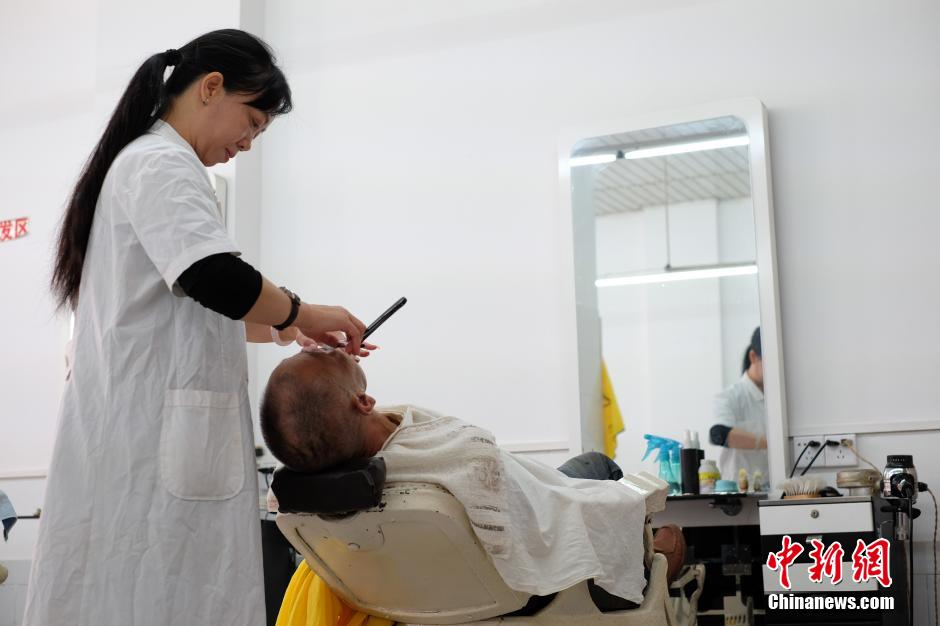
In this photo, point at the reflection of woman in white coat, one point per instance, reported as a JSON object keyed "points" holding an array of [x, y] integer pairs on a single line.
{"points": [[151, 510], [741, 418]]}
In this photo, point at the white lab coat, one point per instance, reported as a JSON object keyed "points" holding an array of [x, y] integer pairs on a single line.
{"points": [[151, 509], [742, 406]]}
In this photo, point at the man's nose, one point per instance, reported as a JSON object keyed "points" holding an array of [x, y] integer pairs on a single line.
{"points": [[245, 144]]}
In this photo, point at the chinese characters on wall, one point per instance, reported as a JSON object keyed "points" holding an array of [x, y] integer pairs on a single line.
{"points": [[13, 229]]}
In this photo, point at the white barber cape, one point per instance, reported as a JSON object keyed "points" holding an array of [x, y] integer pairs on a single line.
{"points": [[742, 406], [151, 508], [543, 531]]}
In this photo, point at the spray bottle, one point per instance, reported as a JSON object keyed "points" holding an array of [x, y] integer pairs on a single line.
{"points": [[668, 459]]}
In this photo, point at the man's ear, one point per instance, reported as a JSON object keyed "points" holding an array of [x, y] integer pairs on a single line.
{"points": [[364, 403]]}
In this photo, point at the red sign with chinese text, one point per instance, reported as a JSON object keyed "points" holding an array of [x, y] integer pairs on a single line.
{"points": [[869, 561], [828, 562], [784, 559], [14, 229]]}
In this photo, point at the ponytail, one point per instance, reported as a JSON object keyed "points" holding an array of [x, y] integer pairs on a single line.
{"points": [[132, 117], [247, 66]]}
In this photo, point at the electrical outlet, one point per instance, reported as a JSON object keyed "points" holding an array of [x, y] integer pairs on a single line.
{"points": [[840, 456], [799, 443]]}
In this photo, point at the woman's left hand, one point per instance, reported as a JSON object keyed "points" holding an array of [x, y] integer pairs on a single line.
{"points": [[334, 339], [292, 335], [304, 341]]}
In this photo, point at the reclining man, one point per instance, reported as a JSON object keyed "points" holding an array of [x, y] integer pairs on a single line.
{"points": [[544, 529]]}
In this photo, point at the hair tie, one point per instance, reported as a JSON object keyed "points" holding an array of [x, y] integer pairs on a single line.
{"points": [[173, 57]]}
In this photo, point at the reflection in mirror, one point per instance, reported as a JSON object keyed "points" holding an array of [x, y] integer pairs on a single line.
{"points": [[677, 287]]}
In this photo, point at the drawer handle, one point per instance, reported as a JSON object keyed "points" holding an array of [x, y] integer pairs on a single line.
{"points": [[814, 513]]}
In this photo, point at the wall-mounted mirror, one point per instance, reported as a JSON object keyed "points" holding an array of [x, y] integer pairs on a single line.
{"points": [[675, 272]]}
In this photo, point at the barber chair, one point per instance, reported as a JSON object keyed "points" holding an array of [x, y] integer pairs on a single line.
{"points": [[685, 599], [406, 552]]}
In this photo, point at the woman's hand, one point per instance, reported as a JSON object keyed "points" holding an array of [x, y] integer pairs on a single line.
{"points": [[336, 340], [745, 440], [292, 335], [333, 326], [303, 340], [329, 325]]}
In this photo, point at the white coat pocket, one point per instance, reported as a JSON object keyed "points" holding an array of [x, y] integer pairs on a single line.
{"points": [[201, 456]]}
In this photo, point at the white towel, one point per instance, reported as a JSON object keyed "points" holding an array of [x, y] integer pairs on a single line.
{"points": [[459, 457], [543, 530]]}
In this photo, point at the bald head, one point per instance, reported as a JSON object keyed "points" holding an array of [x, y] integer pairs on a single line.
{"points": [[311, 413]]}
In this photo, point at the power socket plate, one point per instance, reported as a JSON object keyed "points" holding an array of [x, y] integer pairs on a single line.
{"points": [[801, 442], [840, 456]]}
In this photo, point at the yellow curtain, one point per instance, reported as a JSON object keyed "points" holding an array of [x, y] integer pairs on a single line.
{"points": [[613, 420], [309, 602]]}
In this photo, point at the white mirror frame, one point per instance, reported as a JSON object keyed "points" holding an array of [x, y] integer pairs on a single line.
{"points": [[583, 353]]}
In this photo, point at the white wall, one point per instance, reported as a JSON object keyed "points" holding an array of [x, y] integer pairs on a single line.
{"points": [[430, 134], [43, 123], [422, 161]]}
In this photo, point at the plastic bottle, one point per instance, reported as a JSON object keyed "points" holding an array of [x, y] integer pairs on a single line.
{"points": [[689, 460], [667, 457], [708, 475], [675, 460]]}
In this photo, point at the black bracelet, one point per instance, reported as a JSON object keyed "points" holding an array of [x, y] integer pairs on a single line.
{"points": [[294, 309]]}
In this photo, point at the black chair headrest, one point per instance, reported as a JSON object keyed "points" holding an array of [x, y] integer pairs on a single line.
{"points": [[352, 486]]}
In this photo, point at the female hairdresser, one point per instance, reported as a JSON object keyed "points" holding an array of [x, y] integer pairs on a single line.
{"points": [[741, 426], [151, 511]]}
